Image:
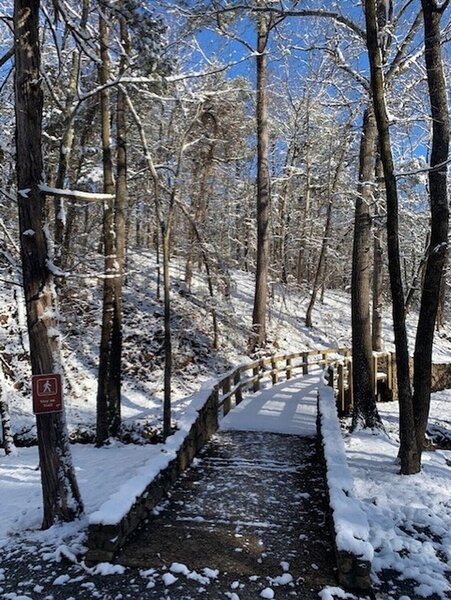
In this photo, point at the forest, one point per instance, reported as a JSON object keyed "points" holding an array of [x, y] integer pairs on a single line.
{"points": [[301, 143]]}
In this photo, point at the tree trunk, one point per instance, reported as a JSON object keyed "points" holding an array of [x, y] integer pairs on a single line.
{"points": [[166, 228], [365, 411], [418, 278], [438, 194], [8, 440], [409, 455], [66, 150], [60, 491], [302, 273], [108, 391], [378, 263], [258, 338], [120, 208], [378, 266]]}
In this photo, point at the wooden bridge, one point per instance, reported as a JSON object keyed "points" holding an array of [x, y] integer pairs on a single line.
{"points": [[271, 429], [248, 377]]}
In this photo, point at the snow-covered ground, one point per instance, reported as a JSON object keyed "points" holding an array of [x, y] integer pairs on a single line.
{"points": [[410, 517]]}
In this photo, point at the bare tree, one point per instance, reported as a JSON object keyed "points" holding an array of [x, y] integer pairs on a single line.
{"points": [[409, 455], [108, 391], [438, 194], [61, 496], [365, 412]]}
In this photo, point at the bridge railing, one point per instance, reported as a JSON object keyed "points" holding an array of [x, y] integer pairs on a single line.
{"points": [[247, 377], [341, 373]]}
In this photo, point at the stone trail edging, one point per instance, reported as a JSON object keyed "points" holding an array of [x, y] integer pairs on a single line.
{"points": [[109, 528], [350, 529]]}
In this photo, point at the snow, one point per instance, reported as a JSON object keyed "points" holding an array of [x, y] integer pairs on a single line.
{"points": [[107, 569], [179, 568], [117, 506], [74, 194], [267, 593], [169, 579], [332, 593], [288, 407], [407, 520], [350, 521], [284, 579], [409, 516]]}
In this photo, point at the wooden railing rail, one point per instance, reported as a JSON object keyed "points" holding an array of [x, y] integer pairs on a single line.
{"points": [[247, 376], [341, 373]]}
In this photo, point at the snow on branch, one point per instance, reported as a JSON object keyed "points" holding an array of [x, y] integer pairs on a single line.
{"points": [[426, 169], [75, 194]]}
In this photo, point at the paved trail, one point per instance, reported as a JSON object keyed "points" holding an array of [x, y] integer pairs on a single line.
{"points": [[250, 514], [252, 508]]}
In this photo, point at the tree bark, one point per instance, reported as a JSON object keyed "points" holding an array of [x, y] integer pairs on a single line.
{"points": [[258, 338], [378, 265], [438, 194], [120, 209], [409, 455], [302, 272], [108, 391], [365, 411], [61, 496]]}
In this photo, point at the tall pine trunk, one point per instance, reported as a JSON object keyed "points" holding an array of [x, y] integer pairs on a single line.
{"points": [[438, 193], [61, 496], [378, 265], [365, 411], [263, 188], [108, 391]]}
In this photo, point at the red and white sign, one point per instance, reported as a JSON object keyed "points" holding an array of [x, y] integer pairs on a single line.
{"points": [[47, 393]]}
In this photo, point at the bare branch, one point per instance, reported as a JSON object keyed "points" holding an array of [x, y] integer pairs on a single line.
{"points": [[400, 55], [4, 59], [280, 12]]}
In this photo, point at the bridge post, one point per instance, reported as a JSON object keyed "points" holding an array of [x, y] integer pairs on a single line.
{"points": [[390, 361], [212, 420], [274, 373], [341, 388], [228, 400], [350, 390], [289, 363], [237, 384], [305, 363], [256, 373], [375, 366]]}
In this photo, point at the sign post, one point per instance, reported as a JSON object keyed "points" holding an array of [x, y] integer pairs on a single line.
{"points": [[47, 393]]}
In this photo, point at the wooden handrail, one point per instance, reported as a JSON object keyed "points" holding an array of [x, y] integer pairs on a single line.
{"points": [[248, 375]]}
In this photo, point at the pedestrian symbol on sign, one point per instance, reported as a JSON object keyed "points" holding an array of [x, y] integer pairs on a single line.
{"points": [[47, 386]]}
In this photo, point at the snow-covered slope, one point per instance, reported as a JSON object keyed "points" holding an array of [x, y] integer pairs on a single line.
{"points": [[195, 359]]}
